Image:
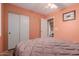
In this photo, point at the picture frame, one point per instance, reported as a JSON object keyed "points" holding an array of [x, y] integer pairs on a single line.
{"points": [[69, 16]]}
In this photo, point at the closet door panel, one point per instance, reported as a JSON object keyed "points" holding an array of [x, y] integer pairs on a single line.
{"points": [[10, 31], [24, 28], [13, 30], [16, 29]]}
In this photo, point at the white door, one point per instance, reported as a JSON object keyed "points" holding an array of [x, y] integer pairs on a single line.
{"points": [[18, 29], [24, 28], [13, 30], [43, 27]]}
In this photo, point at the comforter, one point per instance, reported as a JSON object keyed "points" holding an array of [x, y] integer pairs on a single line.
{"points": [[46, 47]]}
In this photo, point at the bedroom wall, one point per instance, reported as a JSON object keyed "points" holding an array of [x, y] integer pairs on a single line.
{"points": [[66, 30], [0, 29], [34, 25]]}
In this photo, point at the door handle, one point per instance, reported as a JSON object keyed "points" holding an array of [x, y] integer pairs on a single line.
{"points": [[9, 33]]}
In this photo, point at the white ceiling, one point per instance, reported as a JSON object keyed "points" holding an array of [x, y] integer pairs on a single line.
{"points": [[41, 7]]}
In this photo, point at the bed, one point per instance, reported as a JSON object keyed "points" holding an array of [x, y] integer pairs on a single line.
{"points": [[46, 47]]}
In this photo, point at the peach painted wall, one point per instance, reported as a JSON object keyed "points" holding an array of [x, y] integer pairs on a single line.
{"points": [[0, 29], [66, 30], [0, 19], [35, 21]]}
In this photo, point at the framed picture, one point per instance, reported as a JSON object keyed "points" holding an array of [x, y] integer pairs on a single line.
{"points": [[69, 16]]}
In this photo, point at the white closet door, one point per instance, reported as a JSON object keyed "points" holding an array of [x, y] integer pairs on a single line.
{"points": [[43, 28], [24, 28], [13, 30]]}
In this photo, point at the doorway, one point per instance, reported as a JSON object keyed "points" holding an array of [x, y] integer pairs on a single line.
{"points": [[50, 25]]}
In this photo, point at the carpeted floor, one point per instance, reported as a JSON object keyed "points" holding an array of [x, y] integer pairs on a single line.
{"points": [[7, 53]]}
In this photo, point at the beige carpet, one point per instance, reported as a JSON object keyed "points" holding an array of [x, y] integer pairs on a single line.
{"points": [[7, 53]]}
